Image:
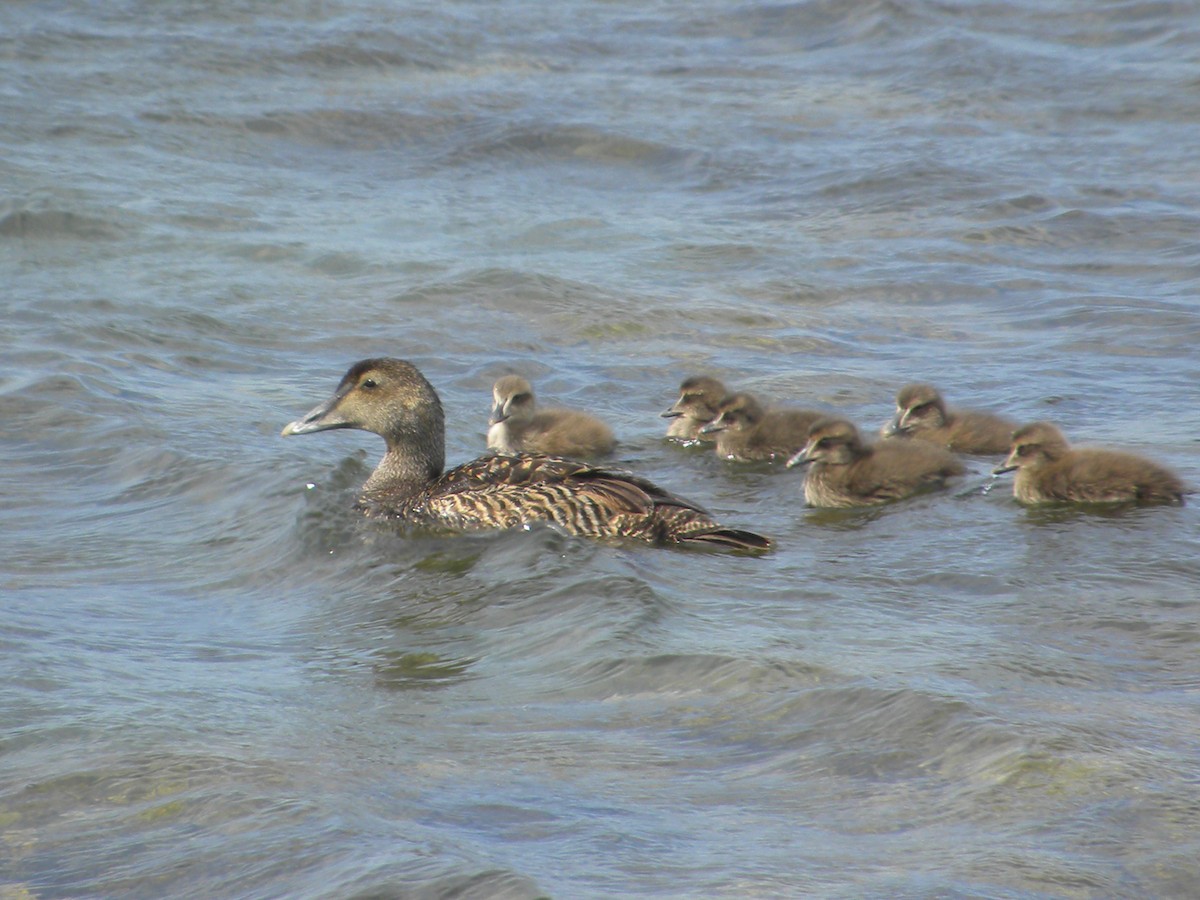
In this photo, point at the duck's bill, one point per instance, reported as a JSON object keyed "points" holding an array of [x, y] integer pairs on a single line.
{"points": [[671, 413], [1002, 468], [322, 418], [798, 459]]}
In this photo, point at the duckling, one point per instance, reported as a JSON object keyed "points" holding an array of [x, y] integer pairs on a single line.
{"points": [[746, 432], [517, 426], [921, 413], [846, 472], [699, 397], [1049, 471], [391, 398]]}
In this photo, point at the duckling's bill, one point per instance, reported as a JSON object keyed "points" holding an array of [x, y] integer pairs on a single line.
{"points": [[799, 458]]}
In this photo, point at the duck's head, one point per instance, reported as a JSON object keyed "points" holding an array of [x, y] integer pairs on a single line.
{"points": [[834, 442], [918, 406], [389, 397], [1033, 444], [738, 412], [699, 397], [512, 398]]}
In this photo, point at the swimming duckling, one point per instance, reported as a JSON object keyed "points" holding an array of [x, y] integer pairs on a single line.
{"points": [[843, 471], [516, 426], [699, 397], [745, 431], [921, 413], [1049, 471], [391, 398]]}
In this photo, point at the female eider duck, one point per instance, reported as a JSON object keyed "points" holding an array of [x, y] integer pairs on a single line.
{"points": [[921, 413], [843, 471], [517, 426], [699, 397], [746, 432], [391, 398], [1050, 471]]}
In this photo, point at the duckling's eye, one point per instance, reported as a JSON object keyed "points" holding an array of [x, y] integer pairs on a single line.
{"points": [[369, 384], [1026, 449], [521, 398], [825, 443]]}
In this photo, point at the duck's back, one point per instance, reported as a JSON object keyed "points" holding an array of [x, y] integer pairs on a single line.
{"points": [[509, 491], [969, 431], [895, 470], [780, 434], [566, 432], [785, 431], [1099, 476]]}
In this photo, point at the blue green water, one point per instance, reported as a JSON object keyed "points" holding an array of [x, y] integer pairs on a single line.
{"points": [[216, 681]]}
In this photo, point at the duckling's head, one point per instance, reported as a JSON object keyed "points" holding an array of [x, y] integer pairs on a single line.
{"points": [[833, 442], [512, 399], [699, 397], [918, 406], [388, 397], [1032, 445], [737, 412]]}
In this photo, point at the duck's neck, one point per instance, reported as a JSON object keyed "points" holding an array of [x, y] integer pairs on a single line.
{"points": [[411, 463], [853, 453], [500, 437]]}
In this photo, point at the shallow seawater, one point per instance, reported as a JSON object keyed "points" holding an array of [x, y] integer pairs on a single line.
{"points": [[219, 681]]}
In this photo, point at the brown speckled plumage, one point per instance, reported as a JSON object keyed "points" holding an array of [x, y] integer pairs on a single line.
{"points": [[843, 471], [1050, 471], [699, 397], [747, 432], [921, 413], [517, 425], [391, 398]]}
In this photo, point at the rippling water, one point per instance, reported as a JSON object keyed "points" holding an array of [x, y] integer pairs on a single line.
{"points": [[218, 682]]}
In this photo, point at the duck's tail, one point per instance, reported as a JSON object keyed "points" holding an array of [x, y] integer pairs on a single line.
{"points": [[732, 538]]}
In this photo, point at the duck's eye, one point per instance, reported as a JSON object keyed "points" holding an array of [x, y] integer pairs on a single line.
{"points": [[1025, 449], [521, 398], [369, 384], [825, 443]]}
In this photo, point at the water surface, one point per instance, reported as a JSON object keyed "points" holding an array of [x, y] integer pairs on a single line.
{"points": [[217, 681]]}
